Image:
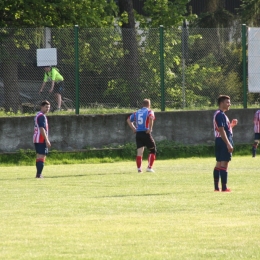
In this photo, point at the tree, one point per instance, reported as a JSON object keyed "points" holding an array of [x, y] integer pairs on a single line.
{"points": [[16, 14], [217, 46], [250, 12], [57, 13], [168, 13], [137, 73], [214, 15], [130, 69]]}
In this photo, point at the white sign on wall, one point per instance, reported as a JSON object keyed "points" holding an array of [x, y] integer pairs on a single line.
{"points": [[254, 60], [47, 57]]}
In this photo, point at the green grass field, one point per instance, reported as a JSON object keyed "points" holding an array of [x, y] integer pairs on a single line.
{"points": [[109, 211]]}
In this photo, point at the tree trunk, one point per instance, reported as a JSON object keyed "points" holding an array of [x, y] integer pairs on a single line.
{"points": [[131, 65], [214, 8], [10, 75]]}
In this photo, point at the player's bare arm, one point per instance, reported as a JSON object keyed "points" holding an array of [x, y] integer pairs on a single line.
{"points": [[225, 139], [131, 125], [43, 133], [42, 87], [52, 86], [233, 123]]}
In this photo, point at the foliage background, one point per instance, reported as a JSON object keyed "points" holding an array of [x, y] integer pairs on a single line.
{"points": [[199, 64], [119, 61]]}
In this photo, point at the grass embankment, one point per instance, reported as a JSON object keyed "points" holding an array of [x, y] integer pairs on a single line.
{"points": [[165, 150], [99, 109]]}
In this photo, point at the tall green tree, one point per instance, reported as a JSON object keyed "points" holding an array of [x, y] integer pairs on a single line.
{"points": [[57, 13], [214, 15], [168, 13], [250, 12], [131, 68]]}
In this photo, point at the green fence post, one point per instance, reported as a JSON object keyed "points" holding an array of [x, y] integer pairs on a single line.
{"points": [[162, 68], [76, 39], [244, 65]]}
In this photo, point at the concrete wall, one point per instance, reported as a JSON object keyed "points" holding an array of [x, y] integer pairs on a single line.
{"points": [[79, 132]]}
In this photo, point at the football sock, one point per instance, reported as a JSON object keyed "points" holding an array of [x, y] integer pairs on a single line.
{"points": [[223, 175], [254, 150], [151, 159], [39, 167], [216, 177], [139, 161]]}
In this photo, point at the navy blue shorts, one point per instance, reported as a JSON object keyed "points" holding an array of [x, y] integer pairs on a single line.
{"points": [[257, 136], [144, 139], [58, 87], [221, 151], [41, 148]]}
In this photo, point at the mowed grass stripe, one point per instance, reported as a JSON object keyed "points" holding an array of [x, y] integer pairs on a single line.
{"points": [[109, 211]]}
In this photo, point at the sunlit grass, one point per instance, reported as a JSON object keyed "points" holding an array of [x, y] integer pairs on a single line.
{"points": [[109, 211]]}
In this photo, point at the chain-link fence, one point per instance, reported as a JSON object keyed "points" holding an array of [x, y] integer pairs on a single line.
{"points": [[120, 67], [203, 64]]}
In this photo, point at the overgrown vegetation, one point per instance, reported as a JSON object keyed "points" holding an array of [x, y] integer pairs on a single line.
{"points": [[165, 150]]}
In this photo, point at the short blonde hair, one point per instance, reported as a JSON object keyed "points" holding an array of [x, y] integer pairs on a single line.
{"points": [[146, 102]]}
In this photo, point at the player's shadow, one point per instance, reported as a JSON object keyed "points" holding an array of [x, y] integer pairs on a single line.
{"points": [[65, 176], [134, 195], [78, 175]]}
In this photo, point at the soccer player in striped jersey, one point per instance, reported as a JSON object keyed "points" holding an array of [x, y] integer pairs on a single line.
{"points": [[223, 142], [141, 122], [257, 132], [40, 137]]}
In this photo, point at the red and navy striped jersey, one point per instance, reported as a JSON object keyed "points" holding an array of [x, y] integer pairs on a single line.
{"points": [[141, 118], [40, 120], [221, 120], [257, 121]]}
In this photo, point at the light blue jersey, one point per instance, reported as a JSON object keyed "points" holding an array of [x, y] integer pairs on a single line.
{"points": [[141, 119]]}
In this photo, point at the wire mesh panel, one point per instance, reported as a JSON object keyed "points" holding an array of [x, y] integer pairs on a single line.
{"points": [[120, 67], [21, 79], [201, 64], [16, 54]]}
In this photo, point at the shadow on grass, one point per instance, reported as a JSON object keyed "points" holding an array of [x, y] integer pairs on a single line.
{"points": [[134, 195], [46, 177], [65, 176]]}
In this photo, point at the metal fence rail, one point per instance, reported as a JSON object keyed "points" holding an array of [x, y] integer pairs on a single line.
{"points": [[120, 67]]}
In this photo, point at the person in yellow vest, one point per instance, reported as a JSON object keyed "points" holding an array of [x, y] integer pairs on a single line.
{"points": [[57, 83]]}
